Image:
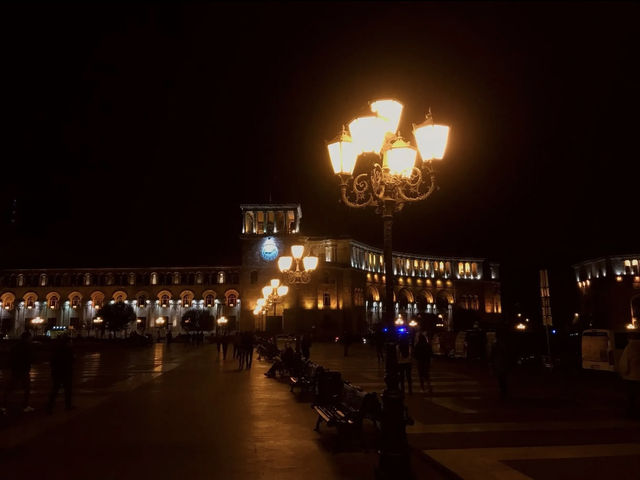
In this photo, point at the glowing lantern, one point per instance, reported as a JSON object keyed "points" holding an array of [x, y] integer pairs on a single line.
{"points": [[431, 139], [343, 154], [390, 110], [368, 133], [400, 158]]}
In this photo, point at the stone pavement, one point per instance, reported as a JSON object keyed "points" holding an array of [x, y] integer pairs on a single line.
{"points": [[194, 416], [555, 425], [179, 410]]}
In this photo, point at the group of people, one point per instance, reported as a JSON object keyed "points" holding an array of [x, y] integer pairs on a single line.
{"points": [[242, 342], [20, 362]]}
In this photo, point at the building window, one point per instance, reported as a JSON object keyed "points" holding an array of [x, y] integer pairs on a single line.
{"points": [[164, 300], [326, 299], [232, 300], [220, 277], [185, 300], [53, 302], [474, 269], [119, 299], [75, 301], [330, 253], [142, 301], [154, 278], [208, 300], [43, 280]]}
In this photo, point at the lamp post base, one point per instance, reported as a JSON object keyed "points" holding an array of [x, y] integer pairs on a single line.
{"points": [[394, 458]]}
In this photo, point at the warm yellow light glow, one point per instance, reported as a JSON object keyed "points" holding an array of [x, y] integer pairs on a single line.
{"points": [[343, 154], [400, 158], [159, 321], [275, 282], [266, 291], [97, 320], [310, 263], [389, 109], [521, 326], [631, 326], [222, 321], [257, 310], [399, 321], [413, 323], [297, 251], [284, 263], [37, 320], [431, 139], [260, 302], [283, 290], [368, 133], [618, 278]]}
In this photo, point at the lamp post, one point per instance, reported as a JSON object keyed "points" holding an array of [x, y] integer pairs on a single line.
{"points": [[396, 176], [222, 323], [297, 275]]}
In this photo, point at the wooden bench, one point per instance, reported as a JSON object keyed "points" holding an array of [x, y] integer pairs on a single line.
{"points": [[347, 411], [307, 378]]}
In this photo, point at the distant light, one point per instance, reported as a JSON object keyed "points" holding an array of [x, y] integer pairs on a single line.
{"points": [[631, 326], [553, 331], [618, 278], [521, 326], [385, 329]]}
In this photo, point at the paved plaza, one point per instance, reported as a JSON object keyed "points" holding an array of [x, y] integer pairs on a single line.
{"points": [[179, 410]]}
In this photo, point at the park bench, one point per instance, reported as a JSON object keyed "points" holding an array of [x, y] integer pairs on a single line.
{"points": [[306, 379], [347, 410]]}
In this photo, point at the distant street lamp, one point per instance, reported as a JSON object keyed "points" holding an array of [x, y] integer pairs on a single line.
{"points": [[297, 275], [37, 322], [397, 176], [222, 323], [273, 294]]}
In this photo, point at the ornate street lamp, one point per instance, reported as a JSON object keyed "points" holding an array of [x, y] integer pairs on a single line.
{"points": [[273, 293], [396, 173], [297, 275]]}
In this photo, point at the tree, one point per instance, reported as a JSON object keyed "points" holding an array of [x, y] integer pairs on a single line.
{"points": [[196, 319], [116, 316]]}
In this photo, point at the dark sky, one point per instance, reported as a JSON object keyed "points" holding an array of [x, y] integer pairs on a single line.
{"points": [[133, 133]]}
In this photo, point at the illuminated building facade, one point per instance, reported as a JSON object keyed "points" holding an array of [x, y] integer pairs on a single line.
{"points": [[345, 291], [609, 292]]}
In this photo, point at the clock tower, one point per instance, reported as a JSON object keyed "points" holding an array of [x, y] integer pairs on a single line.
{"points": [[268, 231]]}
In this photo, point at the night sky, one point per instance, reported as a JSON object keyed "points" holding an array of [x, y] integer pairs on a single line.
{"points": [[133, 133]]}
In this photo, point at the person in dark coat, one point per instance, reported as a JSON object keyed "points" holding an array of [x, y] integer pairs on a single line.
{"points": [[501, 363], [20, 359], [61, 371], [305, 345], [422, 352]]}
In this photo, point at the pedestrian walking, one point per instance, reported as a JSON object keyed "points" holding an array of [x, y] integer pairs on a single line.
{"points": [[346, 341], [225, 344], [403, 352], [248, 349], [422, 352], [379, 341], [305, 345], [630, 372], [501, 363], [61, 372], [20, 358]]}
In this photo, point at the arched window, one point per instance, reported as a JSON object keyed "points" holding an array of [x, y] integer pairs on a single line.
{"points": [[164, 300], [43, 280], [220, 277], [142, 301], [231, 300], [119, 299], [460, 269], [634, 266], [208, 300], [474, 269], [185, 300], [53, 302], [75, 301], [467, 268], [30, 302], [154, 278], [441, 267]]}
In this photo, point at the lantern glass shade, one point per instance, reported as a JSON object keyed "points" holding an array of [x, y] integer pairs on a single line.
{"points": [[431, 140], [266, 291], [275, 282], [390, 110], [284, 263], [400, 158], [283, 290], [343, 155], [297, 251], [368, 133], [310, 263], [260, 303]]}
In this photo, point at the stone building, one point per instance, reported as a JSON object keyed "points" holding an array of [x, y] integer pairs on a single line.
{"points": [[345, 292], [609, 292]]}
